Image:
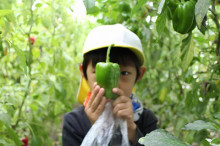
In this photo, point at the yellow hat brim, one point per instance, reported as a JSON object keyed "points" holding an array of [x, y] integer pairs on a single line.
{"points": [[83, 90]]}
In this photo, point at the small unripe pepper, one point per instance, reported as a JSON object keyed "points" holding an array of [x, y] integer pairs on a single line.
{"points": [[107, 75], [184, 17]]}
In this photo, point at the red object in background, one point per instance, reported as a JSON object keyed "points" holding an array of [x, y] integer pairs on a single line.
{"points": [[33, 39], [25, 141]]}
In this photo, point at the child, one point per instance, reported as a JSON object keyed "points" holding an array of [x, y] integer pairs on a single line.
{"points": [[127, 52]]}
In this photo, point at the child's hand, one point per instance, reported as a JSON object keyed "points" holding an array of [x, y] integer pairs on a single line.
{"points": [[123, 108], [96, 103]]}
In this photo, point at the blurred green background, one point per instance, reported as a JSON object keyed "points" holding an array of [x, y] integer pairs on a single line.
{"points": [[41, 47]]}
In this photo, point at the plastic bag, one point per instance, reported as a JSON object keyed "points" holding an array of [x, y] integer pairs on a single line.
{"points": [[107, 130]]}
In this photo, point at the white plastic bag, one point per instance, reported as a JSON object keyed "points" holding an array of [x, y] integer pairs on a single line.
{"points": [[107, 130]]}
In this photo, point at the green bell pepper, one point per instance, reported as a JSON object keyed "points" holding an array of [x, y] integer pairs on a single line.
{"points": [[171, 4], [184, 17], [107, 75]]}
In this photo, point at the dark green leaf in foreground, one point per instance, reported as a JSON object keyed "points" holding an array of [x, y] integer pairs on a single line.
{"points": [[160, 137], [199, 125]]}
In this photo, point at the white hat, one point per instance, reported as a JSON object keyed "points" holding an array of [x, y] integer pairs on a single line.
{"points": [[103, 36]]}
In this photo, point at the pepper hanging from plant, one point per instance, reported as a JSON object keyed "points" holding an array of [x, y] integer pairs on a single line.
{"points": [[171, 5], [184, 17], [107, 75]]}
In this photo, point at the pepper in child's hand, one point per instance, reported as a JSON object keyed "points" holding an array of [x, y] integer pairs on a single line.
{"points": [[107, 75]]}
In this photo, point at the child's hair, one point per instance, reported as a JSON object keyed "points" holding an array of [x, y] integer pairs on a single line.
{"points": [[122, 56]]}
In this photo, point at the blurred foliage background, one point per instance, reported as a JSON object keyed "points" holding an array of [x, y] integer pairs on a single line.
{"points": [[40, 49]]}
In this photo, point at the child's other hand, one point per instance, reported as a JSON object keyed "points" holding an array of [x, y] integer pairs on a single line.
{"points": [[123, 108], [96, 103]]}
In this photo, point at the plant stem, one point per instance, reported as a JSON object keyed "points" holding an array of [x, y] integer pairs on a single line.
{"points": [[180, 85], [108, 53], [29, 62], [215, 19], [22, 104]]}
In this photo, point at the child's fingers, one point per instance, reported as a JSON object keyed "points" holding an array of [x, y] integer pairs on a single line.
{"points": [[123, 113], [117, 108], [121, 98], [118, 91], [101, 106], [93, 95], [94, 85], [123, 110], [98, 99]]}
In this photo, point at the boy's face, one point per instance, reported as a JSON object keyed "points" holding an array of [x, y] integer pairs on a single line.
{"points": [[126, 81]]}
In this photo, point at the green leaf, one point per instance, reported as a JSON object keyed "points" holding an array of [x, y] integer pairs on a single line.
{"points": [[160, 137], [93, 10], [199, 125], [205, 143], [187, 53], [90, 6], [5, 12], [176, 56], [138, 6], [201, 9], [13, 135], [161, 21], [216, 141], [36, 141], [161, 5], [5, 118], [217, 115], [38, 5], [21, 57], [201, 135], [2, 141]]}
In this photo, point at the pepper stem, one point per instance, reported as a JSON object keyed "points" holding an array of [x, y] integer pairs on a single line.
{"points": [[108, 53]]}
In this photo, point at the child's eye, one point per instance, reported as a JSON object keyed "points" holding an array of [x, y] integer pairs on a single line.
{"points": [[124, 73]]}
